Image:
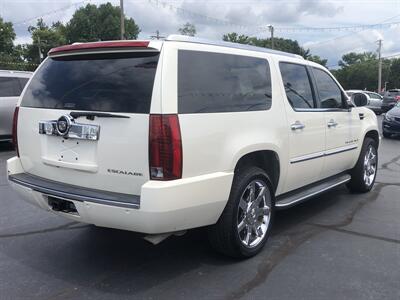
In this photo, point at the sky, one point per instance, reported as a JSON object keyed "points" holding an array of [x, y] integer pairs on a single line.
{"points": [[213, 18]]}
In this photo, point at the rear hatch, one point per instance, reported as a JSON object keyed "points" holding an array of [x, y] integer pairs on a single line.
{"points": [[109, 96], [392, 96]]}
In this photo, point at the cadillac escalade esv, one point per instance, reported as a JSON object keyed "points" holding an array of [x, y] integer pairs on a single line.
{"points": [[159, 137]]}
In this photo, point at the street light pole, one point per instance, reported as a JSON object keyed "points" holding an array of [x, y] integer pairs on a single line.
{"points": [[121, 5], [40, 50], [379, 66], [271, 30]]}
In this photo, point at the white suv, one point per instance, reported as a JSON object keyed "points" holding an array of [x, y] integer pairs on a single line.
{"points": [[162, 136]]}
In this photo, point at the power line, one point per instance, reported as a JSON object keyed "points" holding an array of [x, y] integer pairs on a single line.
{"points": [[49, 13]]}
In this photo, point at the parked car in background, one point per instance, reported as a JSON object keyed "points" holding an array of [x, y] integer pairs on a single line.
{"points": [[11, 85], [374, 99], [391, 122], [159, 137], [390, 99]]}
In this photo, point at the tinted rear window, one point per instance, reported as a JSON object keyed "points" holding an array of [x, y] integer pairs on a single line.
{"points": [[103, 82], [392, 93], [216, 82], [9, 87]]}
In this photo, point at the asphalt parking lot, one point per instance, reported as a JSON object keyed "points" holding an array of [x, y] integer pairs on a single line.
{"points": [[336, 246]]}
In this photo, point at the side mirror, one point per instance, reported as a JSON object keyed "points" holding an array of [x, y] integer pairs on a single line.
{"points": [[360, 99]]}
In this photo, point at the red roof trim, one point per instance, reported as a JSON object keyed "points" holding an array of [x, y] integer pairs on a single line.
{"points": [[96, 45]]}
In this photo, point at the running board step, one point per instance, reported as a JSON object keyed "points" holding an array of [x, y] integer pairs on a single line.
{"points": [[297, 196]]}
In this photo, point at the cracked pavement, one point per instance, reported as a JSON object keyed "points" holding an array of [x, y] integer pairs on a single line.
{"points": [[336, 246]]}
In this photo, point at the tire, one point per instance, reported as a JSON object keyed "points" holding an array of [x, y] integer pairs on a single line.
{"points": [[363, 175], [226, 236], [386, 134]]}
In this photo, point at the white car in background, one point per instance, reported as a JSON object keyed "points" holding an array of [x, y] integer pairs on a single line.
{"points": [[11, 85], [374, 99]]}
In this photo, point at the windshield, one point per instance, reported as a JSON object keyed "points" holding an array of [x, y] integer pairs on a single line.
{"points": [[121, 82]]}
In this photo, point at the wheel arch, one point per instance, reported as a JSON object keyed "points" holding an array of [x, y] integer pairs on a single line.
{"points": [[266, 159], [374, 134]]}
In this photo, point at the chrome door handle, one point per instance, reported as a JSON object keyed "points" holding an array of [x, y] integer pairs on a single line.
{"points": [[332, 123], [297, 125]]}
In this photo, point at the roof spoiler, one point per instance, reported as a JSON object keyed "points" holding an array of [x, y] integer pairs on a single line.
{"points": [[99, 45]]}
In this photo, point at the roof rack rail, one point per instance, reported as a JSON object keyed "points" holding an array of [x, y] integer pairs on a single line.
{"points": [[188, 39]]}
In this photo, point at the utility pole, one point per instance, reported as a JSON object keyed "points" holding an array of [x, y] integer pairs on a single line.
{"points": [[40, 51], [379, 66], [157, 36], [121, 6], [271, 30]]}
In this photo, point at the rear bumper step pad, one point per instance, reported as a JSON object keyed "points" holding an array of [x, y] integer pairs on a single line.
{"points": [[73, 192]]}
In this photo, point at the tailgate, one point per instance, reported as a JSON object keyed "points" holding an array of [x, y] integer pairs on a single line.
{"points": [[105, 146]]}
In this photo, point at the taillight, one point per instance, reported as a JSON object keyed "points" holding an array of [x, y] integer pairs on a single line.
{"points": [[14, 130], [165, 147]]}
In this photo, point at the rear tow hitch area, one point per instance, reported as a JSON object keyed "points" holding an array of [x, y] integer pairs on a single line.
{"points": [[62, 205]]}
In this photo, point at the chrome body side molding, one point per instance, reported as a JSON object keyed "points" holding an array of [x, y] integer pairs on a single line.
{"points": [[323, 153]]}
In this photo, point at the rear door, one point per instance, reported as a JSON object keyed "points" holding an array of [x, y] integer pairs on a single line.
{"points": [[342, 124], [107, 152], [306, 127]]}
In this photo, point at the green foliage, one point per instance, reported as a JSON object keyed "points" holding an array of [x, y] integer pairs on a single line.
{"points": [[281, 44], [360, 71], [7, 37], [44, 38], [11, 57], [92, 23], [317, 59], [188, 29]]}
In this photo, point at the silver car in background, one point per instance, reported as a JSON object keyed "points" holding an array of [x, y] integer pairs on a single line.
{"points": [[11, 85], [374, 99]]}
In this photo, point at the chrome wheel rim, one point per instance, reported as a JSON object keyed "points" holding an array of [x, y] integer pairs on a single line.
{"points": [[370, 162], [254, 213]]}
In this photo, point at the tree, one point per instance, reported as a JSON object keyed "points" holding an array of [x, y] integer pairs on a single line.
{"points": [[353, 58], [188, 29], [281, 44], [44, 38], [360, 71], [92, 23], [235, 38], [11, 56], [317, 59], [394, 74], [7, 37]]}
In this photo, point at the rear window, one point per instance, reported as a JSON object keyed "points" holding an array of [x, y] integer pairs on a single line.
{"points": [[216, 82], [120, 82], [393, 93], [10, 87]]}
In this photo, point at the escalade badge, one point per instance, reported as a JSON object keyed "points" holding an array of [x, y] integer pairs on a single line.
{"points": [[64, 124]]}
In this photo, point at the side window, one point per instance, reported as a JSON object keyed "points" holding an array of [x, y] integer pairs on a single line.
{"points": [[22, 82], [374, 96], [329, 92], [9, 87], [216, 82], [297, 85]]}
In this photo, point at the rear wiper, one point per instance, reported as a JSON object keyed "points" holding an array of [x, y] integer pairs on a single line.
{"points": [[92, 115]]}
